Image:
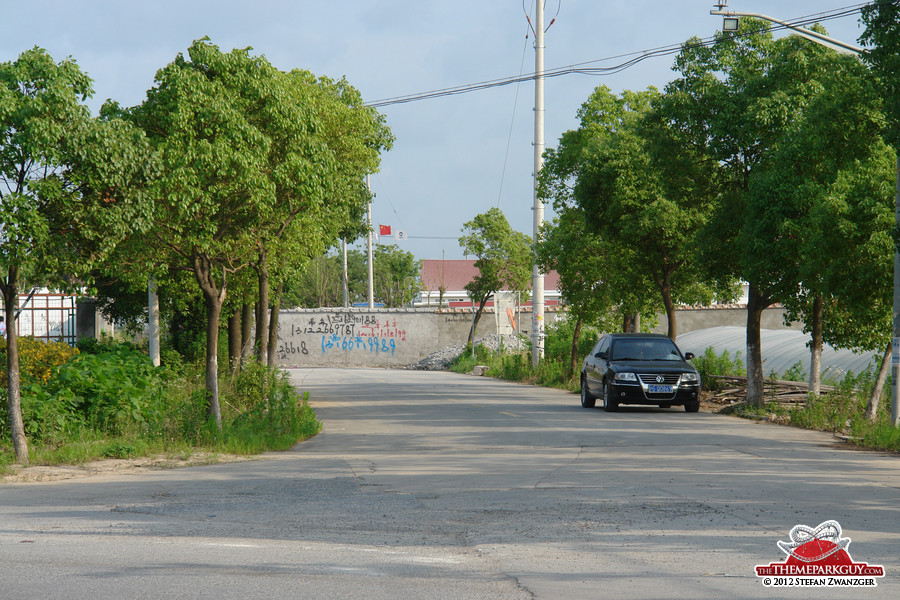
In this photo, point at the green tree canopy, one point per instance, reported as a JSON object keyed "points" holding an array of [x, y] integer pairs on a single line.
{"points": [[71, 187], [502, 255], [616, 169], [767, 115]]}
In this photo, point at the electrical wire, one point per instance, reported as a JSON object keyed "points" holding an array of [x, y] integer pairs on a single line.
{"points": [[512, 120], [582, 68]]}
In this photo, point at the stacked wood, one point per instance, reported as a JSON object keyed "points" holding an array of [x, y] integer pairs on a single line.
{"points": [[732, 389]]}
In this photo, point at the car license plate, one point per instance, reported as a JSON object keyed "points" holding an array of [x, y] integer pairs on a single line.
{"points": [[659, 389]]}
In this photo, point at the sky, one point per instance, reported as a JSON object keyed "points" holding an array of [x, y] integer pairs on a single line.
{"points": [[454, 157]]}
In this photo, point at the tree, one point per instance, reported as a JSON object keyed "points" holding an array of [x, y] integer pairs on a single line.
{"points": [[746, 103], [595, 286], [262, 169], [834, 100], [213, 187], [632, 197], [854, 221], [72, 188], [320, 283], [397, 276], [396, 279], [324, 141], [882, 21], [502, 255]]}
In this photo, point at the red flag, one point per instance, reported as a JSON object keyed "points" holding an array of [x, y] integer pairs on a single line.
{"points": [[384, 230]]}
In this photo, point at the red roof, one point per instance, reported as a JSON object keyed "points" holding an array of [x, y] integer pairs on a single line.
{"points": [[455, 274]]}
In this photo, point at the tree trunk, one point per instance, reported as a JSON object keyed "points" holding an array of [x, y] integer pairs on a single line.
{"points": [[672, 330], [234, 341], [262, 320], [875, 396], [756, 304], [214, 297], [273, 324], [815, 362], [476, 319], [573, 362], [246, 333], [10, 291]]}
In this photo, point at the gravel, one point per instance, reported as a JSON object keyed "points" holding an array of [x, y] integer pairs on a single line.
{"points": [[440, 360]]}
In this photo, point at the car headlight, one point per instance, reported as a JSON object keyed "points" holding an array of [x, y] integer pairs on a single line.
{"points": [[690, 378], [626, 377]]}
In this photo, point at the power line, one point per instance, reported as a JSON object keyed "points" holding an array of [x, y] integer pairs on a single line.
{"points": [[582, 68], [512, 120]]}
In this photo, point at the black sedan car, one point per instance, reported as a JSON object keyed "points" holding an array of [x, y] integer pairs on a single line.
{"points": [[639, 368]]}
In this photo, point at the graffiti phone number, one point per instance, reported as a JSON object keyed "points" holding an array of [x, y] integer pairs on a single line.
{"points": [[356, 343]]}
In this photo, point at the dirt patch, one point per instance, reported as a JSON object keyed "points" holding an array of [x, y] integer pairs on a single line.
{"points": [[115, 466]]}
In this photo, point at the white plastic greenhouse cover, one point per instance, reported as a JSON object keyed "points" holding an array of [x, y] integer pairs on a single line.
{"points": [[781, 350]]}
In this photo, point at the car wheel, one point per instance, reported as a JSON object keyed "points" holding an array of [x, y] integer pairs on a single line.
{"points": [[692, 406], [610, 404], [587, 399]]}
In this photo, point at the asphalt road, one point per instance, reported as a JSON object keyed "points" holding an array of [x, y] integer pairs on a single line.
{"points": [[435, 485]]}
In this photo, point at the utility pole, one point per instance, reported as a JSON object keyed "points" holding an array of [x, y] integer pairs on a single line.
{"points": [[371, 293], [153, 320], [345, 279], [537, 284]]}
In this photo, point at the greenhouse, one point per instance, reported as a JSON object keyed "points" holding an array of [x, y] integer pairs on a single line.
{"points": [[781, 350]]}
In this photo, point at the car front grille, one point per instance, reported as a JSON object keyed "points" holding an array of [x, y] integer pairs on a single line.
{"points": [[667, 379]]}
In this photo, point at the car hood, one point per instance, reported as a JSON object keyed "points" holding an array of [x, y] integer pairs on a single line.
{"points": [[652, 366]]}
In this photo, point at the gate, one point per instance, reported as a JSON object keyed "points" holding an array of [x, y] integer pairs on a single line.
{"points": [[47, 317]]}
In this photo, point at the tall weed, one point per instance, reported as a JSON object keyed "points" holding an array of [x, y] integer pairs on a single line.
{"points": [[710, 363]]}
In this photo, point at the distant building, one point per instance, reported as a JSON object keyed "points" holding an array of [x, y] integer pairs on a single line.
{"points": [[453, 275]]}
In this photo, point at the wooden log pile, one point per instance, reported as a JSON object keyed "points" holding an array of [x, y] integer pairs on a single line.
{"points": [[733, 389]]}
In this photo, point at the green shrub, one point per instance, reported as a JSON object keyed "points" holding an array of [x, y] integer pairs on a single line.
{"points": [[265, 412], [511, 367], [107, 392], [795, 373], [558, 343], [37, 359], [709, 363]]}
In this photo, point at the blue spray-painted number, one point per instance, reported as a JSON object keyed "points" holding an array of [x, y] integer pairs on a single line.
{"points": [[352, 343]]}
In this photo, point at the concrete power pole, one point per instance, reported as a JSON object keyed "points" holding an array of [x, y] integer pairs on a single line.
{"points": [[537, 285], [345, 280], [153, 320], [371, 293]]}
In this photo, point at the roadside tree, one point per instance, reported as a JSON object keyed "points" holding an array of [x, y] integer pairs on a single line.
{"points": [[592, 278], [761, 111], [615, 169], [502, 255], [882, 33], [71, 187]]}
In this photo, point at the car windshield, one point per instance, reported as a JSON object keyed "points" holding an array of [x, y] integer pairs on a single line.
{"points": [[652, 349]]}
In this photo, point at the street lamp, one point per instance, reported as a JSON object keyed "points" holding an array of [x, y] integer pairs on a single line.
{"points": [[731, 24], [732, 18]]}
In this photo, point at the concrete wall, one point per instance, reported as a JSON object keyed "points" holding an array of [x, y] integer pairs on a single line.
{"points": [[371, 338], [401, 337], [692, 319]]}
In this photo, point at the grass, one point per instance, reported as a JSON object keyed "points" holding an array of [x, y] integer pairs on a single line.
{"points": [[112, 405]]}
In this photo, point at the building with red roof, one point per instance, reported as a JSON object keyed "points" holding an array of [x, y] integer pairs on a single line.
{"points": [[453, 275]]}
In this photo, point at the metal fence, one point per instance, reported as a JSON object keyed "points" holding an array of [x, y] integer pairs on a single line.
{"points": [[47, 317]]}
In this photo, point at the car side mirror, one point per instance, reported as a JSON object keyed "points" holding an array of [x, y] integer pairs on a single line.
{"points": [[601, 355], [688, 356]]}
